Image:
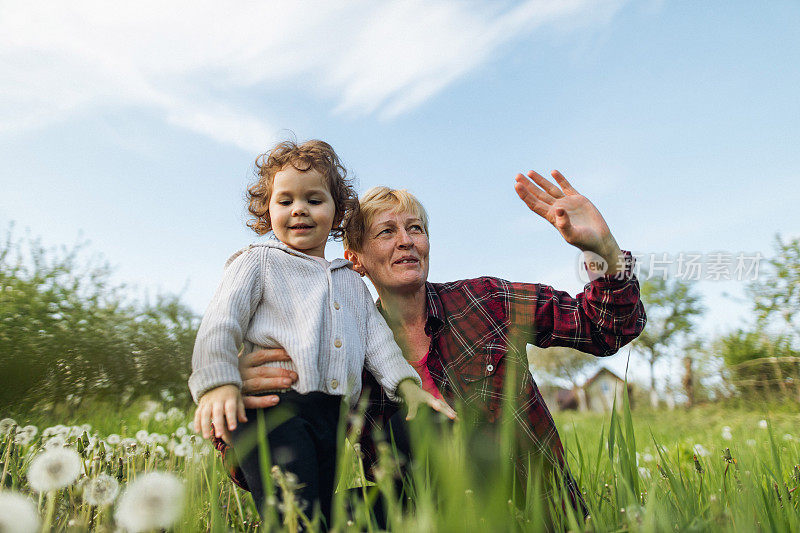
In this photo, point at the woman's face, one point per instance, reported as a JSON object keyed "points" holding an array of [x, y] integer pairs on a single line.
{"points": [[394, 254]]}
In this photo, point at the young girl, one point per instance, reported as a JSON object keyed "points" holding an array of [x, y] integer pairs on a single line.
{"points": [[283, 293]]}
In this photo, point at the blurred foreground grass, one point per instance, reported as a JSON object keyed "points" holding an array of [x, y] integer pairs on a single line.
{"points": [[706, 469]]}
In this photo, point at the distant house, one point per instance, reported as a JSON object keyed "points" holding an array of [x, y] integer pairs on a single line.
{"points": [[599, 392]]}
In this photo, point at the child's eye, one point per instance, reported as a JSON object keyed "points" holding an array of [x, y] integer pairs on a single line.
{"points": [[284, 202], [315, 202]]}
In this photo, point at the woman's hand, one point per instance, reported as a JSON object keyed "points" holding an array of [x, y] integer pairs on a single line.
{"points": [[415, 396], [572, 214], [215, 406], [260, 379]]}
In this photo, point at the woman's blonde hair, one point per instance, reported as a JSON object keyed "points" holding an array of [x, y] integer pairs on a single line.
{"points": [[379, 200]]}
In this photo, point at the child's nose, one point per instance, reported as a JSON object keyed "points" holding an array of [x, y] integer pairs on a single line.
{"points": [[299, 209]]}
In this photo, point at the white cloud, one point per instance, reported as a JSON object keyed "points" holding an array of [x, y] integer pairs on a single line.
{"points": [[192, 60]]}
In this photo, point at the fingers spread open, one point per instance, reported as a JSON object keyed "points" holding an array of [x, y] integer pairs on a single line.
{"points": [[565, 185], [533, 203], [545, 184]]}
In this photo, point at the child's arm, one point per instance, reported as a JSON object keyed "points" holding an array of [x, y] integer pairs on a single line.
{"points": [[217, 405], [385, 361], [215, 357], [414, 396]]}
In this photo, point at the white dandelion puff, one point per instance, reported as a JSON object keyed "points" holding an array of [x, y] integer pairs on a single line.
{"points": [[53, 469], [180, 432], [6, 425], [57, 441], [183, 450], [700, 450], [160, 416], [788, 437], [190, 427], [762, 424], [17, 513], [144, 416], [101, 490], [174, 413], [726, 433], [160, 452], [142, 435], [113, 439], [152, 501]]}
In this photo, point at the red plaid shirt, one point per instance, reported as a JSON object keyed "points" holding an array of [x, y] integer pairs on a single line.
{"points": [[479, 329]]}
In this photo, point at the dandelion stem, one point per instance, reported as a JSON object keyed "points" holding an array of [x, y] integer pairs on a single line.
{"points": [[48, 515]]}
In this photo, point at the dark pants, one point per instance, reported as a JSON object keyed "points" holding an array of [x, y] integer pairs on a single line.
{"points": [[302, 438]]}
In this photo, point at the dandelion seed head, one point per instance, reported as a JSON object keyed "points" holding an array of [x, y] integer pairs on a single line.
{"points": [[700, 450], [17, 513], [144, 416], [57, 441], [142, 435], [183, 450], [180, 432], [160, 416], [101, 490], [54, 469], [762, 424], [174, 413], [788, 437], [152, 501], [6, 425], [113, 439]]}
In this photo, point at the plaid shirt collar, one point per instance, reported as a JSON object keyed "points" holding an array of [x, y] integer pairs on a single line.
{"points": [[433, 307]]}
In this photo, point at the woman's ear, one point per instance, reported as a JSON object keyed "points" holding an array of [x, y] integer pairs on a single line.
{"points": [[352, 256]]}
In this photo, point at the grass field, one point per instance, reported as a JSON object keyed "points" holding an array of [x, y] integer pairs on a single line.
{"points": [[706, 469]]}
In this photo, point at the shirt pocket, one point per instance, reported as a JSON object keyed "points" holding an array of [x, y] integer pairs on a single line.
{"points": [[481, 378]]}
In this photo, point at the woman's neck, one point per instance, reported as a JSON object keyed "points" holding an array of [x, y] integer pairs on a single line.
{"points": [[405, 310]]}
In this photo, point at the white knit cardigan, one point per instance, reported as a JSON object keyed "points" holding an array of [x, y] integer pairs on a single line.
{"points": [[324, 317]]}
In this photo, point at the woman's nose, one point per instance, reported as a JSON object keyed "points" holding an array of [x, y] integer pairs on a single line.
{"points": [[404, 240]]}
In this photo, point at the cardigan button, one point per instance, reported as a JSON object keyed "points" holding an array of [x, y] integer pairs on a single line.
{"points": [[336, 305], [334, 384], [338, 343], [489, 368]]}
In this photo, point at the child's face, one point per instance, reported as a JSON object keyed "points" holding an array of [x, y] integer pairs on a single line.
{"points": [[301, 210]]}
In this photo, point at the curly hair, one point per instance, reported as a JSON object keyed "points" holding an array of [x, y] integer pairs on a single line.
{"points": [[313, 154]]}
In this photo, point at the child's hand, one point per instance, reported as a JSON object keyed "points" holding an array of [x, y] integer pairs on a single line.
{"points": [[216, 405], [414, 395]]}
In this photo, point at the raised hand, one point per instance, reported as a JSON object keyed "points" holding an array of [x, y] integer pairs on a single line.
{"points": [[572, 214]]}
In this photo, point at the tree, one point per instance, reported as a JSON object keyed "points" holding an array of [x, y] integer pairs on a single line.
{"points": [[671, 306], [68, 334], [776, 292], [563, 363]]}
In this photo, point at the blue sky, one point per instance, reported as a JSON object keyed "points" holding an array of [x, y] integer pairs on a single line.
{"points": [[137, 125]]}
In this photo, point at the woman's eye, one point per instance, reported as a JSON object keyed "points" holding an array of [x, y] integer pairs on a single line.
{"points": [[416, 228], [386, 231]]}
